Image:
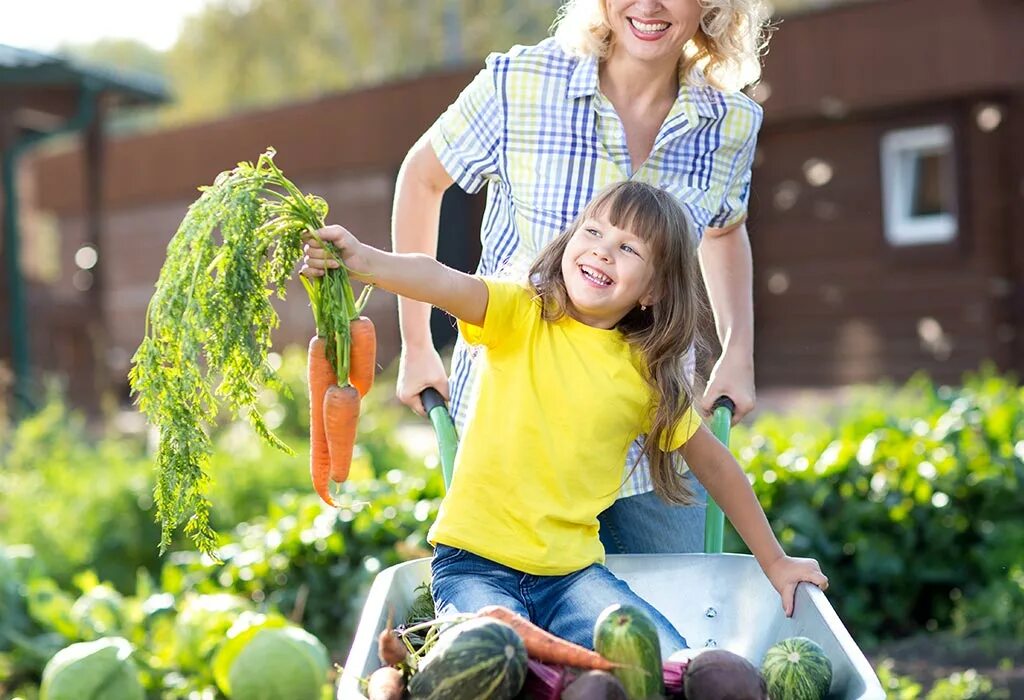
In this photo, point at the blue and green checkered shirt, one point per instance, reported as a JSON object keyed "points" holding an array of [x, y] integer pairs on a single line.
{"points": [[534, 126]]}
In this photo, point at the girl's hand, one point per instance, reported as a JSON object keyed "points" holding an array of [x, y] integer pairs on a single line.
{"points": [[787, 572], [318, 260]]}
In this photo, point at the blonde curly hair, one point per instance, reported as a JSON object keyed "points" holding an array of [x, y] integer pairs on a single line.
{"points": [[726, 50]]}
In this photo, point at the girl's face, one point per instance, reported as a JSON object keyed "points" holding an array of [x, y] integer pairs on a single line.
{"points": [[608, 271], [652, 30]]}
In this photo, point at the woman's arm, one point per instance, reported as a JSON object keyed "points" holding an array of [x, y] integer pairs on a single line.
{"points": [[410, 275], [726, 262], [718, 470], [415, 220]]}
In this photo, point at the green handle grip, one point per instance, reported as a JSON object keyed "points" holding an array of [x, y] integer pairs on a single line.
{"points": [[444, 430], [714, 519]]}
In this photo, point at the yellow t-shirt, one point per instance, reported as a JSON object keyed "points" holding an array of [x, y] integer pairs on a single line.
{"points": [[556, 408]]}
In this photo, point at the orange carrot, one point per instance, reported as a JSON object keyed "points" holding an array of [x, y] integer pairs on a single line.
{"points": [[386, 683], [363, 355], [390, 649], [341, 414], [546, 647], [320, 376]]}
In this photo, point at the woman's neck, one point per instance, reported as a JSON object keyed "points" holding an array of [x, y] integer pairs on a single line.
{"points": [[640, 84]]}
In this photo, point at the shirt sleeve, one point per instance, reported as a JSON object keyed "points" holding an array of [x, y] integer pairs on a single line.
{"points": [[684, 430], [467, 137], [743, 123], [506, 303]]}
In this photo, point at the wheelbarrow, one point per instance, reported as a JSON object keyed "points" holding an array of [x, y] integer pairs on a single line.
{"points": [[713, 599]]}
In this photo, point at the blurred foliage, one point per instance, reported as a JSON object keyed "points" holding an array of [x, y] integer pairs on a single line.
{"points": [[909, 497], [962, 685]]}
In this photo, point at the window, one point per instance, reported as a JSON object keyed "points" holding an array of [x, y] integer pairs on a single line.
{"points": [[919, 186]]}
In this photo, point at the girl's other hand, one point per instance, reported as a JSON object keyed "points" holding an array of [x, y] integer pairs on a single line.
{"points": [[788, 572], [317, 260]]}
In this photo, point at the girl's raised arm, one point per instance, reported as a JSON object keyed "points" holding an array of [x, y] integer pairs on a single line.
{"points": [[411, 275]]}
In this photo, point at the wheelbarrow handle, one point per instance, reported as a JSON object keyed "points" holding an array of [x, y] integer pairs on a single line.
{"points": [[444, 430], [714, 520]]}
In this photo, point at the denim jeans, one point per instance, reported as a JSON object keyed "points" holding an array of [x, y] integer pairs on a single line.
{"points": [[567, 606], [644, 524]]}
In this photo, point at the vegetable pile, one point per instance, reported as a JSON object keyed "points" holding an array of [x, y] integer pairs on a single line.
{"points": [[496, 654], [208, 333]]}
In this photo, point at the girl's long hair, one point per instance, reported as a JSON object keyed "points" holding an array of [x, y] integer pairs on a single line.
{"points": [[664, 332]]}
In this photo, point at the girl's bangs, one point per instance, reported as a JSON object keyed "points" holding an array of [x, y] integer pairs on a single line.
{"points": [[634, 209]]}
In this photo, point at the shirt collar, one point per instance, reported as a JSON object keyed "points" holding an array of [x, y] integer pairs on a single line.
{"points": [[696, 98]]}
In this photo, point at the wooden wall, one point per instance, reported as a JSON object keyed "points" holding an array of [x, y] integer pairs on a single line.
{"points": [[835, 302]]}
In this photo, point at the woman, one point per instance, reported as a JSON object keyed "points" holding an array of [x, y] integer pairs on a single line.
{"points": [[626, 89]]}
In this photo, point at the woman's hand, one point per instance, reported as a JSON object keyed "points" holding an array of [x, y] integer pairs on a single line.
{"points": [[354, 254], [788, 572], [419, 368], [732, 376]]}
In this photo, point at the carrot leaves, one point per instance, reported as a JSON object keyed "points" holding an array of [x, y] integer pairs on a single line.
{"points": [[209, 325]]}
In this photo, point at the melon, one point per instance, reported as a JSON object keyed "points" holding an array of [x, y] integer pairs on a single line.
{"points": [[99, 670], [797, 669], [480, 659], [627, 636]]}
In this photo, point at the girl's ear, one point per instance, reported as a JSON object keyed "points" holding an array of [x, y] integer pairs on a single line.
{"points": [[651, 296]]}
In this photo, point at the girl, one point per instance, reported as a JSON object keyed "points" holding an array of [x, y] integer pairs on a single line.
{"points": [[575, 365]]}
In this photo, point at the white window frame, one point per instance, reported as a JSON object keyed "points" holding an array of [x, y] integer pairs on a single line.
{"points": [[899, 150]]}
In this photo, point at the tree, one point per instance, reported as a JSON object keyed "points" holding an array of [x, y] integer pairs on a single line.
{"points": [[238, 55]]}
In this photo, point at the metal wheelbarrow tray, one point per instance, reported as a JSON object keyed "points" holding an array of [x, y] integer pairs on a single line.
{"points": [[713, 599]]}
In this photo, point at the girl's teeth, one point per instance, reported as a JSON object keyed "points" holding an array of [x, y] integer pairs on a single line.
{"points": [[651, 28], [596, 276]]}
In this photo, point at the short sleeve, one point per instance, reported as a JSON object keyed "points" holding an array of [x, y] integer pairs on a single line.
{"points": [[684, 430], [467, 137], [507, 304], [742, 125]]}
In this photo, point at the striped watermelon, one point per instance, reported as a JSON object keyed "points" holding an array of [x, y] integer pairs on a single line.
{"points": [[627, 635], [481, 659], [797, 669]]}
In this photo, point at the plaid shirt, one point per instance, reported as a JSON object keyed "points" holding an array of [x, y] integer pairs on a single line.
{"points": [[535, 127]]}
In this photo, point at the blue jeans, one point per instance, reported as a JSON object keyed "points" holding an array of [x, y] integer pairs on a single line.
{"points": [[644, 524], [567, 606]]}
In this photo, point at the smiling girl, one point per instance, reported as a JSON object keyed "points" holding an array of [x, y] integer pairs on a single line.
{"points": [[575, 365]]}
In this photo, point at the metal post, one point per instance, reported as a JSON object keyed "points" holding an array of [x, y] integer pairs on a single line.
{"points": [[9, 169]]}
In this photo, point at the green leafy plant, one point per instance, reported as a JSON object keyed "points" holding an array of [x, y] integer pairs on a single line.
{"points": [[909, 497], [209, 324]]}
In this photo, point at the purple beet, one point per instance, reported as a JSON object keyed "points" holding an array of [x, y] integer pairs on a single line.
{"points": [[721, 675]]}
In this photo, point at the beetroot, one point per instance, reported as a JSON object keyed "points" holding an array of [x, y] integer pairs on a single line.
{"points": [[721, 675], [595, 685]]}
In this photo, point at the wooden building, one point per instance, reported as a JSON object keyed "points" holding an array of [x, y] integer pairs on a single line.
{"points": [[886, 202], [55, 328]]}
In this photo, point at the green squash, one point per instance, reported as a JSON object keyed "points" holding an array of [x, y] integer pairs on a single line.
{"points": [[481, 659], [627, 635], [797, 669]]}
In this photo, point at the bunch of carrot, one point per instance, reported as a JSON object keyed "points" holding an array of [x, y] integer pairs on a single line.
{"points": [[341, 363]]}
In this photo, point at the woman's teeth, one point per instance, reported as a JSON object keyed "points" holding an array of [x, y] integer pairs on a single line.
{"points": [[649, 27]]}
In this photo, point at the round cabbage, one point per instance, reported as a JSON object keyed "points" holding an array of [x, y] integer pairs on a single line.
{"points": [[99, 670], [279, 662]]}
